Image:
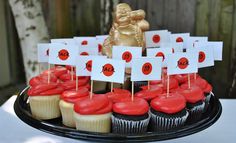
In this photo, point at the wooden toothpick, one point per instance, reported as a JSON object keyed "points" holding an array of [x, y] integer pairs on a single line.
{"points": [[49, 73], [168, 85], [132, 91], [189, 81], [112, 86], [91, 90]]}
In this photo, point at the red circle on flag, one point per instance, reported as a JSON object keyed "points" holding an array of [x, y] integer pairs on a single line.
{"points": [[160, 54], [108, 70], [85, 42], [47, 52], [173, 50], [179, 39], [182, 63], [99, 48], [84, 54], [201, 57], [89, 65], [63, 54], [127, 56], [147, 68], [156, 38]]}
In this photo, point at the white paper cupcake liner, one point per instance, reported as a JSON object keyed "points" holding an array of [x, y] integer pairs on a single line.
{"points": [[159, 123], [123, 126], [196, 112], [67, 110]]}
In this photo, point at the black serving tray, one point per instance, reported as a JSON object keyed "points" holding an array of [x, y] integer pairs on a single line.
{"points": [[55, 126]]}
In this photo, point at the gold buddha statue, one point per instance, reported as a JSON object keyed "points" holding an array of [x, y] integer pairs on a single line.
{"points": [[127, 29]]}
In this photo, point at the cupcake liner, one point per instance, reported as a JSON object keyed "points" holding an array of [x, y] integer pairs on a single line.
{"points": [[93, 123], [138, 84], [45, 107], [195, 113], [162, 123], [122, 126], [67, 113]]}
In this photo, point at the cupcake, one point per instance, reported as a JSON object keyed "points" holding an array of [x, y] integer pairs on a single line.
{"points": [[68, 85], [130, 117], [184, 77], [168, 113], [204, 85], [66, 104], [195, 101], [44, 101], [118, 95], [149, 94], [42, 79], [93, 115]]}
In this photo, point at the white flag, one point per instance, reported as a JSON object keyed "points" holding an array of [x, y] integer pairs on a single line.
{"points": [[154, 38], [146, 68], [108, 70], [100, 40], [84, 64], [190, 42], [176, 47], [62, 54], [126, 53], [205, 57], [159, 52], [86, 50], [179, 38], [43, 52], [86, 41], [182, 63], [66, 41]]}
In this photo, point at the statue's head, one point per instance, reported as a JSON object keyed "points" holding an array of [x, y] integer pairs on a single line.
{"points": [[122, 14]]}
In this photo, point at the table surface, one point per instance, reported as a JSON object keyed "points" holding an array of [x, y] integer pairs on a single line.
{"points": [[13, 130]]}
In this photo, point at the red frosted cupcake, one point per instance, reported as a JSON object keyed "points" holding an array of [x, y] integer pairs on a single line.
{"points": [[184, 77], [42, 79], [168, 112], [118, 95], [57, 71], [44, 101], [82, 82], [195, 101], [93, 115], [66, 104], [149, 94], [130, 117]]}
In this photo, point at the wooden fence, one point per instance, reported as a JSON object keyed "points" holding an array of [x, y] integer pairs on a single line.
{"points": [[213, 18]]}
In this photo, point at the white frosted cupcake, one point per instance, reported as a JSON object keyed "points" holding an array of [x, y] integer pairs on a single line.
{"points": [[44, 101], [93, 115], [68, 98]]}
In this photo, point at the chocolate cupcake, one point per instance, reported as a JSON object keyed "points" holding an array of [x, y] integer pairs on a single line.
{"points": [[130, 117], [195, 101], [168, 113]]}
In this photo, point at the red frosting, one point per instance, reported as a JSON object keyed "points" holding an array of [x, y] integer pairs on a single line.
{"points": [[137, 107], [172, 104], [72, 84], [118, 95], [200, 82], [57, 71], [73, 96], [67, 77], [192, 94], [98, 104], [45, 89], [42, 79], [173, 83], [184, 77], [150, 93]]}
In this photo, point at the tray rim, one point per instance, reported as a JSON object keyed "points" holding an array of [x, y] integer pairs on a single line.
{"points": [[108, 137]]}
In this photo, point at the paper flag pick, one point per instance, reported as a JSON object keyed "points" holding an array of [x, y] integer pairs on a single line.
{"points": [[189, 43], [146, 68], [181, 63], [65, 41], [86, 41], [154, 38], [126, 53], [205, 57], [84, 64], [62, 54], [100, 40], [108, 70], [43, 52], [86, 50], [159, 52], [176, 47], [179, 38]]}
